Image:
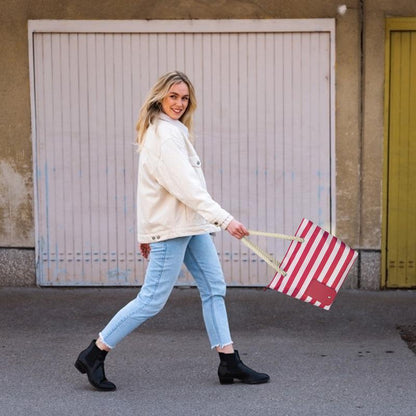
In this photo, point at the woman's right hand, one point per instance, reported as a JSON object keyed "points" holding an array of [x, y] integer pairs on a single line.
{"points": [[237, 229], [144, 249]]}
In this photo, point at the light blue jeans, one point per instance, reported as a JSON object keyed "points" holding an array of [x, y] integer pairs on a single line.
{"points": [[166, 258]]}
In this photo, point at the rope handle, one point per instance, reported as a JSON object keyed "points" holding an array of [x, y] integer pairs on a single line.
{"points": [[276, 235], [270, 260]]}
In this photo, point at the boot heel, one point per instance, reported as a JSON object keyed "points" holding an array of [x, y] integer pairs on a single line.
{"points": [[226, 380], [80, 367]]}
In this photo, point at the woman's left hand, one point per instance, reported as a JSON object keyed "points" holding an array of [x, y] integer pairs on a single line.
{"points": [[237, 229], [144, 249]]}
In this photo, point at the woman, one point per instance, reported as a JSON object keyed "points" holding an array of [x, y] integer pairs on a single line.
{"points": [[175, 216]]}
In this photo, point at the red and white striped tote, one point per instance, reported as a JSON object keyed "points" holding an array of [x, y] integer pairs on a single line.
{"points": [[314, 267]]}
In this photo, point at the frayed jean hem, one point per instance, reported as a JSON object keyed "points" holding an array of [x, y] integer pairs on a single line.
{"points": [[222, 345], [100, 337]]}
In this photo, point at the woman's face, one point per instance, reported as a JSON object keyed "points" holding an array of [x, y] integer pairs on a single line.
{"points": [[176, 101]]}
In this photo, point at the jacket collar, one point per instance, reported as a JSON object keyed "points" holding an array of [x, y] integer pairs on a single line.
{"points": [[177, 123]]}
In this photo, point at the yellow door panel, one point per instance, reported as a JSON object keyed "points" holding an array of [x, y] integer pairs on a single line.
{"points": [[400, 227]]}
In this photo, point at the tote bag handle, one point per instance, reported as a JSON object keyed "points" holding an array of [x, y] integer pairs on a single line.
{"points": [[270, 260]]}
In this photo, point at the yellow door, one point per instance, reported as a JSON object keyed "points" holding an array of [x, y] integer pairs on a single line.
{"points": [[399, 222]]}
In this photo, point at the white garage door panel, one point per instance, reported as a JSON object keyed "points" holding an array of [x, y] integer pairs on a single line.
{"points": [[85, 154], [264, 128]]}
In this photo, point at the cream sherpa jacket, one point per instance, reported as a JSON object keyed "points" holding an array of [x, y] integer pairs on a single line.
{"points": [[172, 198]]}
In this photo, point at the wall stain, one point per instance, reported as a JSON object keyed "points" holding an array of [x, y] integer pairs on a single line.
{"points": [[16, 207]]}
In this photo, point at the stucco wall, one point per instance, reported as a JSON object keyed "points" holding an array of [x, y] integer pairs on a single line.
{"points": [[358, 185]]}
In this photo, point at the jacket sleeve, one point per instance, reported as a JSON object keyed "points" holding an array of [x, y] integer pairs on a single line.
{"points": [[179, 177]]}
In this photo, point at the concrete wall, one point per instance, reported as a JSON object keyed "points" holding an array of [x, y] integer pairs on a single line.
{"points": [[359, 105]]}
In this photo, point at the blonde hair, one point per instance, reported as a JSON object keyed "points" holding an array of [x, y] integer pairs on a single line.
{"points": [[152, 105]]}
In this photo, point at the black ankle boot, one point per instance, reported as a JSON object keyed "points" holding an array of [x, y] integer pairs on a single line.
{"points": [[91, 361], [232, 367]]}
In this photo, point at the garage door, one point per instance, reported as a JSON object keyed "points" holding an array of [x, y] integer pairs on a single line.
{"points": [[264, 126]]}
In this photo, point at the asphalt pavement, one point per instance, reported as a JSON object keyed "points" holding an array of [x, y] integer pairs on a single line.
{"points": [[350, 360]]}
